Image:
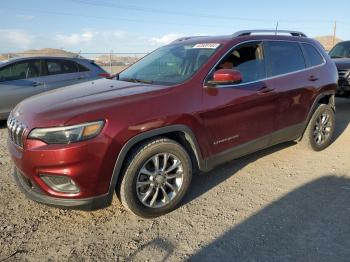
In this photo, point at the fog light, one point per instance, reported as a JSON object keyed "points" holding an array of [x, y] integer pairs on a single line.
{"points": [[62, 184]]}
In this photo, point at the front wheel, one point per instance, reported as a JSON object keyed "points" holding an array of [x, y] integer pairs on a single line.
{"points": [[156, 178], [319, 132]]}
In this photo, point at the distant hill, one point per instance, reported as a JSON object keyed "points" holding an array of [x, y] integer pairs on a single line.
{"points": [[4, 57], [39, 52], [327, 41]]}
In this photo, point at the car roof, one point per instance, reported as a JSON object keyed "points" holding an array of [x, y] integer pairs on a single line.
{"points": [[20, 58]]}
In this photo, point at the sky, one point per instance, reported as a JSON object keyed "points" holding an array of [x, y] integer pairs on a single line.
{"points": [[136, 26]]}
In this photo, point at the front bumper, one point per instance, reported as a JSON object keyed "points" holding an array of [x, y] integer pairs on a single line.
{"points": [[33, 192], [343, 86], [89, 164]]}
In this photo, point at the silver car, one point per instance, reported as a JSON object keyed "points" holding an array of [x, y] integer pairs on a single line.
{"points": [[24, 77]]}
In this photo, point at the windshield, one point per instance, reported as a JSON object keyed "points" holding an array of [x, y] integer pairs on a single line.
{"points": [[341, 50], [170, 65]]}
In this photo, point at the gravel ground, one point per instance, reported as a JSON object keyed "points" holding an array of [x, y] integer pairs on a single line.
{"points": [[281, 204]]}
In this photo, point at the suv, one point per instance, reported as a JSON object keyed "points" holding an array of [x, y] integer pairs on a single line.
{"points": [[340, 54], [186, 107], [27, 76]]}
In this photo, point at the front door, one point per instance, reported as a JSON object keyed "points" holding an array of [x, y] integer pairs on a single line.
{"points": [[17, 82], [240, 118]]}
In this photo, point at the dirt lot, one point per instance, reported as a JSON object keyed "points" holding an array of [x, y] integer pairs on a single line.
{"points": [[281, 204]]}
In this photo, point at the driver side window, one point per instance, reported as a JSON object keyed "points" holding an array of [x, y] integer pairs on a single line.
{"points": [[248, 59]]}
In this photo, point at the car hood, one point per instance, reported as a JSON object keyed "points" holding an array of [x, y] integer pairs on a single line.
{"points": [[59, 106], [342, 63]]}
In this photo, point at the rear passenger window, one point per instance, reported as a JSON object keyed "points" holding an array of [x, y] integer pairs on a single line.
{"points": [[284, 57], [82, 68], [313, 57], [60, 66]]}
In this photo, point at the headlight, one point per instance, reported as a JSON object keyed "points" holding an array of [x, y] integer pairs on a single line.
{"points": [[67, 134]]}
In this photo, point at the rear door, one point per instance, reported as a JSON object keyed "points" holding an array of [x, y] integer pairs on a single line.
{"points": [[60, 72], [293, 83], [19, 81]]}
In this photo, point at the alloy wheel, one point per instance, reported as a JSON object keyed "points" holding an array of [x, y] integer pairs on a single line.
{"points": [[322, 129], [159, 180]]}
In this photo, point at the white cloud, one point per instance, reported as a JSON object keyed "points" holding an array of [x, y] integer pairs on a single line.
{"points": [[25, 17], [87, 40], [113, 35], [76, 38], [165, 39], [14, 38]]}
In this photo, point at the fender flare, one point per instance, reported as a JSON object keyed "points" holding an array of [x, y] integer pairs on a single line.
{"points": [[188, 134], [314, 107]]}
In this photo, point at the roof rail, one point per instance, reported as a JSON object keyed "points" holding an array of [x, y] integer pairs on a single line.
{"points": [[274, 32], [186, 38]]}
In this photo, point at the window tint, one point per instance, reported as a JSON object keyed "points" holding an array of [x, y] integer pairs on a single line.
{"points": [[57, 66], [171, 64], [82, 68], [96, 65], [20, 70], [341, 50], [313, 56], [284, 57], [248, 59], [202, 57]]}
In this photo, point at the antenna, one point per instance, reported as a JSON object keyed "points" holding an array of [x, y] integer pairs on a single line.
{"points": [[276, 28]]}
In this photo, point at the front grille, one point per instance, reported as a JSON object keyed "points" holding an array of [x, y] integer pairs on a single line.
{"points": [[16, 131], [343, 74]]}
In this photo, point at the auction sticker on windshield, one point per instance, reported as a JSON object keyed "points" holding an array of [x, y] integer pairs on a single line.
{"points": [[207, 45]]}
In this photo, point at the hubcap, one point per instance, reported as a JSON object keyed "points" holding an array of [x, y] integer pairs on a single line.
{"points": [[323, 128], [159, 180]]}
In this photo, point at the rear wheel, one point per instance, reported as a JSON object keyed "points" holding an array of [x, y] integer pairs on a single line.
{"points": [[156, 178], [319, 132]]}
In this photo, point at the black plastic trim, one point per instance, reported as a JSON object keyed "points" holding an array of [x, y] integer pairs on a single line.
{"points": [[87, 204], [277, 137]]}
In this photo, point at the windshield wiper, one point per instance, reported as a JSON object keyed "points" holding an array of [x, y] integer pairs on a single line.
{"points": [[135, 80], [337, 56]]}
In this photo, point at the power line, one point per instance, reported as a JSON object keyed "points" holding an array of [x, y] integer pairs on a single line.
{"points": [[184, 13], [116, 18]]}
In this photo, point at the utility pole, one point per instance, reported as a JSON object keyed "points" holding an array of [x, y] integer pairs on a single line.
{"points": [[110, 62], [334, 32]]}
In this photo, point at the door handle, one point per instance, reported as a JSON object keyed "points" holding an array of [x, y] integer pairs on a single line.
{"points": [[265, 90], [37, 84], [80, 77], [313, 78]]}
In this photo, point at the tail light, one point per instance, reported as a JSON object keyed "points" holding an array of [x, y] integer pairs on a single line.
{"points": [[105, 75]]}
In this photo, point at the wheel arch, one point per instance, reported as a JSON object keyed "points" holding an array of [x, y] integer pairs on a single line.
{"points": [[326, 98], [179, 133]]}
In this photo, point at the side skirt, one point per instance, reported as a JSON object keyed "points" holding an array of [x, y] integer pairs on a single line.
{"points": [[280, 136]]}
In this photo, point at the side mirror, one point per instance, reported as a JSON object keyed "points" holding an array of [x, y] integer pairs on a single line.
{"points": [[226, 77], [115, 76]]}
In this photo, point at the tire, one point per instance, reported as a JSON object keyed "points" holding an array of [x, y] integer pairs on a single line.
{"points": [[319, 136], [142, 180]]}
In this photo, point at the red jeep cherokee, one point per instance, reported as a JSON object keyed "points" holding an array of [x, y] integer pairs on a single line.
{"points": [[188, 106]]}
